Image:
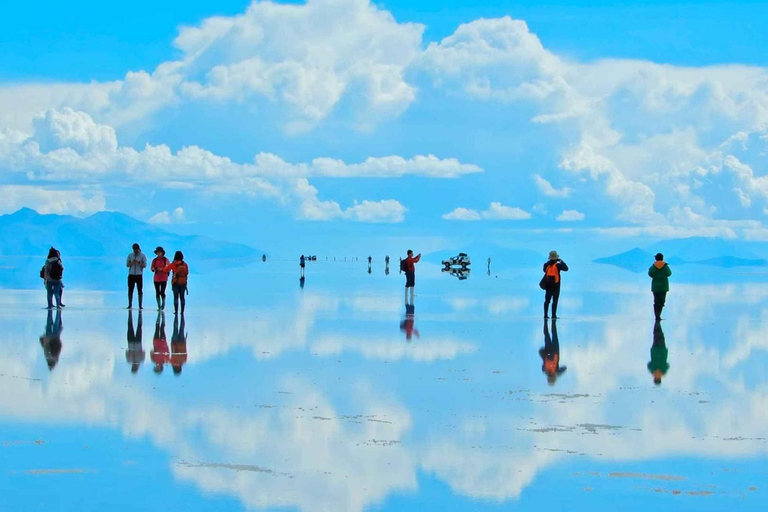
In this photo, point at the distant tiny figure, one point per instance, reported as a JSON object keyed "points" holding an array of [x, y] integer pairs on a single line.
{"points": [[160, 353], [301, 282], [551, 282], [489, 263], [179, 281], [302, 265], [263, 257], [52, 274], [401, 266], [136, 263], [135, 353], [386, 260], [409, 266], [659, 273], [408, 323], [550, 354], [178, 345], [369, 261], [51, 340], [658, 365], [161, 276]]}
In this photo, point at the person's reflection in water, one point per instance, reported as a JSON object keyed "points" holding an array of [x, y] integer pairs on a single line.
{"points": [[301, 282], [407, 325], [178, 345], [550, 354], [135, 353], [160, 352], [658, 365], [51, 340]]}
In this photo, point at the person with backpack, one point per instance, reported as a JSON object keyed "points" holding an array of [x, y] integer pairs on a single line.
{"points": [[179, 281], [551, 282], [550, 354], [136, 263], [659, 273], [408, 265], [178, 357], [52, 274], [51, 340], [161, 276]]}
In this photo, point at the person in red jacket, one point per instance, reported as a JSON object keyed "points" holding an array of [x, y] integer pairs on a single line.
{"points": [[161, 276], [410, 273], [160, 354]]}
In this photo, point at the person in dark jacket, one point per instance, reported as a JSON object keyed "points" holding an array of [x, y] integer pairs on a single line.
{"points": [[550, 354], [552, 269], [53, 272], [51, 340], [658, 365], [659, 273], [135, 354]]}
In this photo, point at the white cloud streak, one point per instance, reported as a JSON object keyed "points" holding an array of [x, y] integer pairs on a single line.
{"points": [[495, 211]]}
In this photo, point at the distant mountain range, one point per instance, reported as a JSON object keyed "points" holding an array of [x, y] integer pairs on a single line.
{"points": [[94, 248], [701, 251]]}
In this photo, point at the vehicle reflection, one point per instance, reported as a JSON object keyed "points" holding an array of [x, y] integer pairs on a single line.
{"points": [[460, 273]]}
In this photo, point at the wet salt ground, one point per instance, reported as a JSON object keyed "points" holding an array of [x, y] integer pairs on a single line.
{"points": [[313, 399]]}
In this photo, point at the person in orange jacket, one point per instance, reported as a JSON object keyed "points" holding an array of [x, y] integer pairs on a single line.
{"points": [[178, 345], [179, 281]]}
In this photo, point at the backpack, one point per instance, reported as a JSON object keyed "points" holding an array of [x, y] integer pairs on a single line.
{"points": [[552, 274], [56, 270], [42, 272], [180, 274], [403, 265]]}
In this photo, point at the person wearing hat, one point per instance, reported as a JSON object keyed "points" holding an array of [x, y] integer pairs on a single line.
{"points": [[161, 276], [136, 263], [551, 282]]}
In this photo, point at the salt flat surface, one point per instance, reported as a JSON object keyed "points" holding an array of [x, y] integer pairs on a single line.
{"points": [[328, 398]]}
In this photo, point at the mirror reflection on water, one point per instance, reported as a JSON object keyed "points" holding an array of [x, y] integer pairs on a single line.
{"points": [[331, 393]]}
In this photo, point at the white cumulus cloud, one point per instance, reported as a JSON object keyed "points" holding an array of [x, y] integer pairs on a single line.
{"points": [[166, 217], [495, 211], [570, 216]]}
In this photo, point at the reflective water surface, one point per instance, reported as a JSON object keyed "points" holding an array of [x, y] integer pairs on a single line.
{"points": [[330, 393]]}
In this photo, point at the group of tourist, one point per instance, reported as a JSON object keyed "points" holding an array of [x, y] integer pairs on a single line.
{"points": [[52, 274]]}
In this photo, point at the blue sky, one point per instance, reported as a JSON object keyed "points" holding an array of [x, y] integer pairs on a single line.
{"points": [[463, 119]]}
